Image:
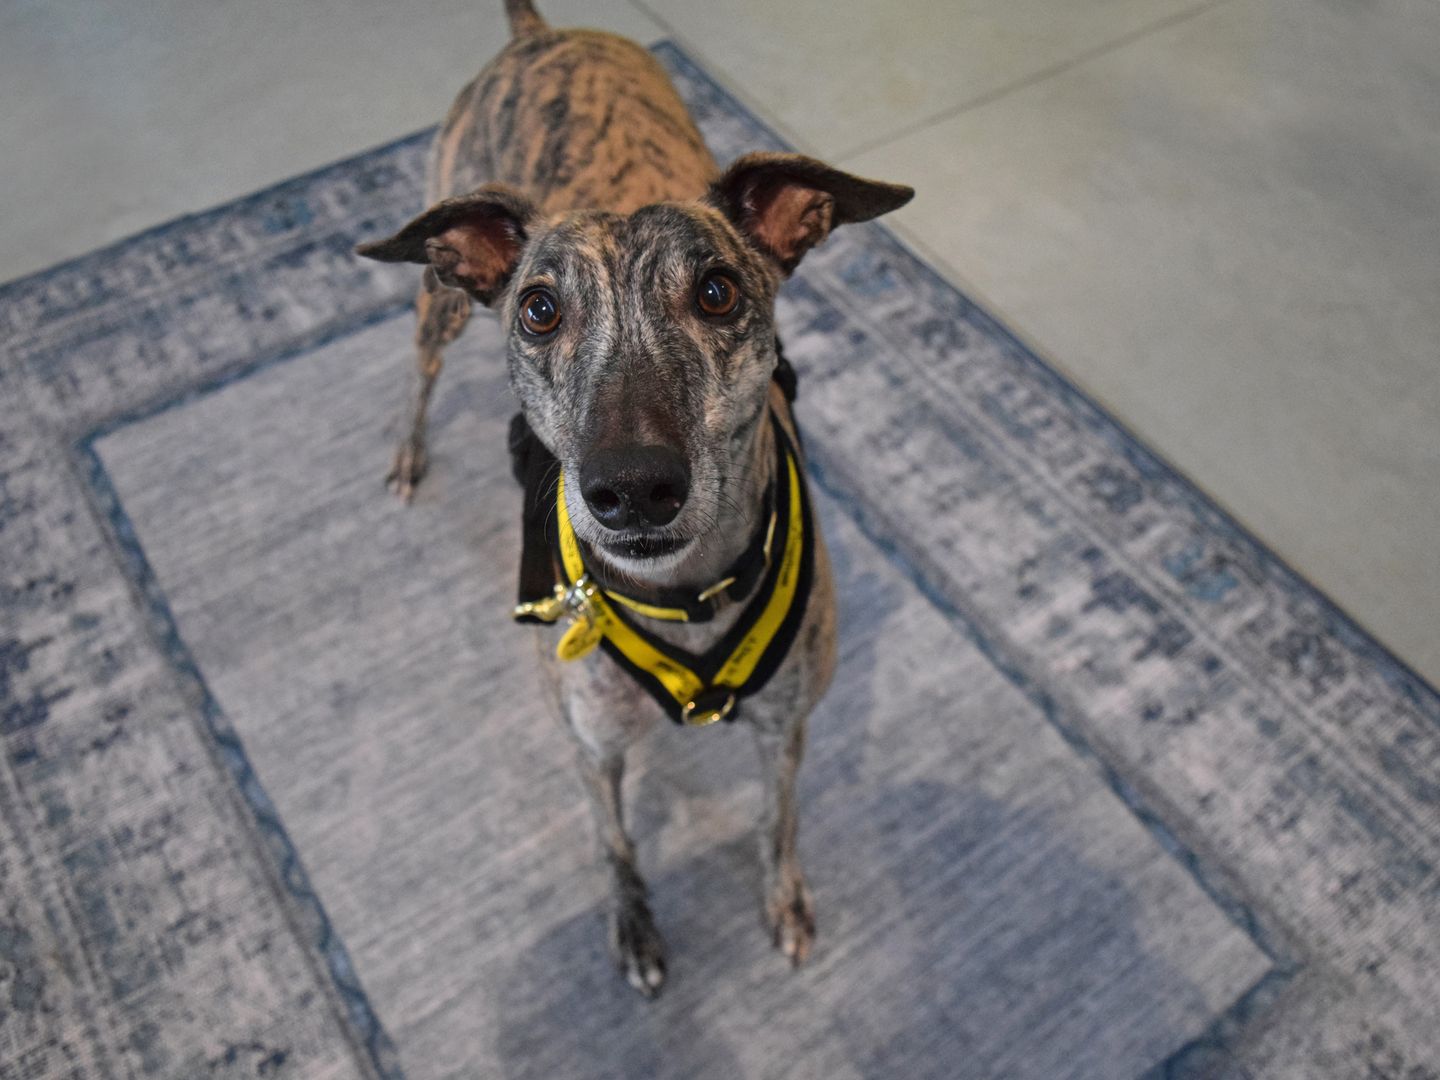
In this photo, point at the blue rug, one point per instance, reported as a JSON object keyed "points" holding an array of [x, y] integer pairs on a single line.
{"points": [[1102, 789]]}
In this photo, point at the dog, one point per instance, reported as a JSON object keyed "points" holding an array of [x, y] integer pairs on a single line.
{"points": [[572, 194]]}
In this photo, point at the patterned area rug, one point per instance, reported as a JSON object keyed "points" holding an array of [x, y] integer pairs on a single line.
{"points": [[1102, 789]]}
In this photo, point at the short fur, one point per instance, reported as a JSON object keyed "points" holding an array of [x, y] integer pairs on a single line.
{"points": [[570, 163]]}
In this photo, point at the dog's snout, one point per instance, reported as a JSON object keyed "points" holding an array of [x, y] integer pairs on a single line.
{"points": [[635, 486]]}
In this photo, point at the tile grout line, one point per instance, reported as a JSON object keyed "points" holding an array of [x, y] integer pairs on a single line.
{"points": [[1034, 78]]}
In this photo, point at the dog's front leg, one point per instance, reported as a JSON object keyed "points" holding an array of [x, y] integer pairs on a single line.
{"points": [[789, 910], [441, 315], [635, 943]]}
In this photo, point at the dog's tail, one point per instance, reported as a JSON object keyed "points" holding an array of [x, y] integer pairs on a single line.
{"points": [[525, 21]]}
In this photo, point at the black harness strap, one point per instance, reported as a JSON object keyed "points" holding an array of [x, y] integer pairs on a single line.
{"points": [[536, 469]]}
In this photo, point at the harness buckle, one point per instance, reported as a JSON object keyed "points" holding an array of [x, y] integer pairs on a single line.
{"points": [[547, 610], [576, 599], [584, 634], [705, 708]]}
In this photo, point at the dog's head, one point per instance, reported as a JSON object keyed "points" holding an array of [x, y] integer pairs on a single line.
{"points": [[641, 346]]}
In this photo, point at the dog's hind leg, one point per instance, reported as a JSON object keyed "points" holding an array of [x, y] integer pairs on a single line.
{"points": [[789, 910], [441, 315], [636, 944]]}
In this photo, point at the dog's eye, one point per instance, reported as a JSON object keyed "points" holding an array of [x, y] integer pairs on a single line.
{"points": [[717, 295], [539, 313]]}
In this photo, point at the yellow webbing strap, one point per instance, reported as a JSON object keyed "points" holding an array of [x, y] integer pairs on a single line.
{"points": [[736, 670], [669, 614]]}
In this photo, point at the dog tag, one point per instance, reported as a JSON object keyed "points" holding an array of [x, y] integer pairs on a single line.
{"points": [[579, 640]]}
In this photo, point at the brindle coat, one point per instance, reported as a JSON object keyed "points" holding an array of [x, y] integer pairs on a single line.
{"points": [[623, 214]]}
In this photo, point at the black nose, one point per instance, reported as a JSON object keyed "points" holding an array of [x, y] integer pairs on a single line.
{"points": [[635, 485]]}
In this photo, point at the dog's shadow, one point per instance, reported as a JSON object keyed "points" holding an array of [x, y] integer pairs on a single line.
{"points": [[564, 1011], [958, 938]]}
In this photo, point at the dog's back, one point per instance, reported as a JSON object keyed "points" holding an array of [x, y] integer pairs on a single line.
{"points": [[576, 119]]}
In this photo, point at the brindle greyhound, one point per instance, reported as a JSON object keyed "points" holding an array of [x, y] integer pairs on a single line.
{"points": [[636, 281]]}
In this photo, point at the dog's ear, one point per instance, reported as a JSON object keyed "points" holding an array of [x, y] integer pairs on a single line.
{"points": [[788, 203], [472, 242]]}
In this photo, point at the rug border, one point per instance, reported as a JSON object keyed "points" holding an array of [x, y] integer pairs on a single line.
{"points": [[1199, 1054], [12, 288], [359, 1016]]}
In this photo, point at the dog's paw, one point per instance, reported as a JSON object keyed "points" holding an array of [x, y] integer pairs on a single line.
{"points": [[790, 913], [408, 469], [638, 948]]}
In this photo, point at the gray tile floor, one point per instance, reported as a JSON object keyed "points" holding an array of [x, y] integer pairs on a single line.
{"points": [[1221, 219]]}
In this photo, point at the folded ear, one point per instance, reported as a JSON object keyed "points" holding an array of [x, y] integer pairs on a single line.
{"points": [[473, 241], [788, 203]]}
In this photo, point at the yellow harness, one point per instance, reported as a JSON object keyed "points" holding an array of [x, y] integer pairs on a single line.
{"points": [[693, 689]]}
